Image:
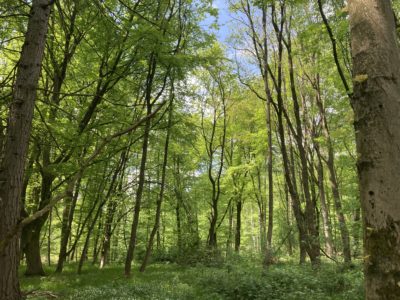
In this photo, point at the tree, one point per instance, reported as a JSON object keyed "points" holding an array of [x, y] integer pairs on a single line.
{"points": [[162, 187], [376, 63], [213, 131], [17, 141]]}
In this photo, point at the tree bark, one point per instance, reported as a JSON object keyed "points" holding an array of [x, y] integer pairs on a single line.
{"points": [[17, 141], [376, 64]]}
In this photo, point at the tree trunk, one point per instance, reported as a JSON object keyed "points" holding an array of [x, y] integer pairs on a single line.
{"points": [[85, 249], [142, 171], [68, 215], [268, 256], [34, 265], [312, 236], [289, 222], [376, 64], [356, 232], [30, 239], [238, 224], [49, 239], [17, 141], [178, 224], [230, 234], [161, 195], [111, 209], [330, 162], [139, 193], [326, 223]]}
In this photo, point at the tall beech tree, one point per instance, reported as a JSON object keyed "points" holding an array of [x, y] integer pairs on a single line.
{"points": [[376, 62]]}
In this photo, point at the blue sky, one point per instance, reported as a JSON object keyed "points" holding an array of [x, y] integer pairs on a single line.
{"points": [[223, 19]]}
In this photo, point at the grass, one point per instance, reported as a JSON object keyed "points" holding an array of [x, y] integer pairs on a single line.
{"points": [[243, 280]]}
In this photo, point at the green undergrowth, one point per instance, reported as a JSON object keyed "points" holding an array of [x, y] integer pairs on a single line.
{"points": [[239, 280]]}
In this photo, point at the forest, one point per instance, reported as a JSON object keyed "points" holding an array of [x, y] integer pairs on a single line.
{"points": [[199, 149]]}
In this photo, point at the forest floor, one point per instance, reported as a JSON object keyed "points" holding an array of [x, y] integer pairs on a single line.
{"points": [[242, 280]]}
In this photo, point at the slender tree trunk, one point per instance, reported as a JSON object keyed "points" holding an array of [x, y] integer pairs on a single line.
{"points": [[179, 199], [139, 193], [68, 215], [344, 233], [161, 195], [330, 162], [178, 225], [142, 171], [230, 234], [238, 224], [295, 202], [313, 248], [91, 226], [289, 222], [49, 238], [96, 244], [268, 256], [111, 209], [106, 242], [324, 207], [376, 64]]}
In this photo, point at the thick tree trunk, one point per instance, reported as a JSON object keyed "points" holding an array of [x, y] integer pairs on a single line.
{"points": [[356, 232], [34, 265], [376, 64], [30, 239], [17, 140], [212, 232]]}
